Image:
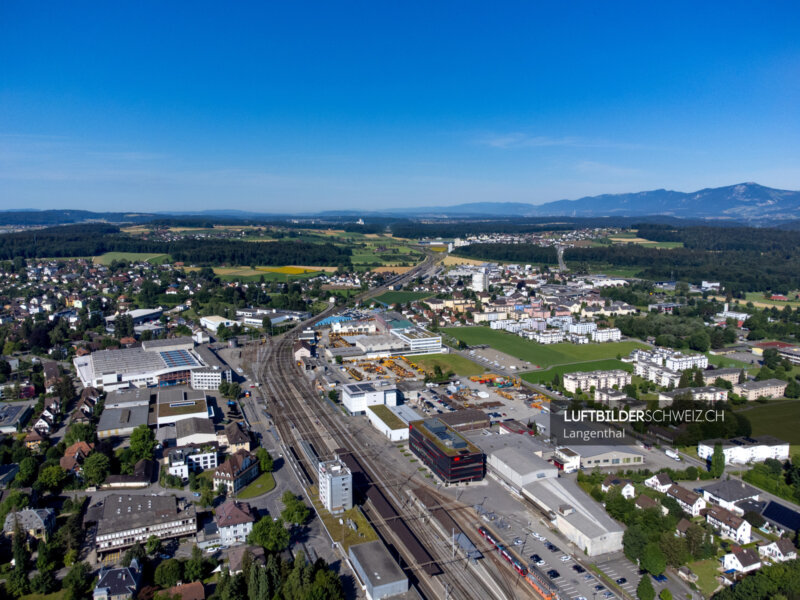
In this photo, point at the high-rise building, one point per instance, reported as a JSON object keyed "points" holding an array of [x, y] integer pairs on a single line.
{"points": [[335, 486]]}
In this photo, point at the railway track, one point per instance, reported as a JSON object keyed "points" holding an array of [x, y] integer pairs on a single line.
{"points": [[298, 416]]}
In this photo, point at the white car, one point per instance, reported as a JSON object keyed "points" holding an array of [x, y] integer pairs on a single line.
{"points": [[565, 558], [538, 536]]}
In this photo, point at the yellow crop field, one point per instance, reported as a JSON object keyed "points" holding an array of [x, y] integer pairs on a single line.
{"points": [[457, 260]]}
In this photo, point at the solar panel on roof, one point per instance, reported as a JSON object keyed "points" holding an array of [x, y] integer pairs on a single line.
{"points": [[782, 515], [178, 358]]}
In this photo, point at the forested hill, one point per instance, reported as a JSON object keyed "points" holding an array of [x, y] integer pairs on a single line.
{"points": [[94, 240], [743, 259]]}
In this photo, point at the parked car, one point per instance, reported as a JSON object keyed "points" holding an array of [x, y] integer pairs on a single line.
{"points": [[621, 580], [578, 569], [599, 587], [565, 557], [517, 541], [553, 574], [660, 578]]}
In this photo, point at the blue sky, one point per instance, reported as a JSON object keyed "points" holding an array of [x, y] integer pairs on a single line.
{"points": [[297, 106]]}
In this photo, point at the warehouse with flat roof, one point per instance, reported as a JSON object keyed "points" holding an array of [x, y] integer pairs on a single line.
{"points": [[157, 363], [583, 521]]}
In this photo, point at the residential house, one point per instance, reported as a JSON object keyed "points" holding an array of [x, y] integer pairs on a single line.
{"points": [[729, 493], [119, 583], [36, 522], [186, 591], [75, 455], [741, 560], [34, 440], [689, 501], [233, 438], [660, 482], [779, 550], [624, 485], [235, 521], [644, 502], [729, 524], [235, 473], [682, 526]]}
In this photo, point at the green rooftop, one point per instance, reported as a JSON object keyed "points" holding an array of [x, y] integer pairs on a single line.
{"points": [[387, 416]]}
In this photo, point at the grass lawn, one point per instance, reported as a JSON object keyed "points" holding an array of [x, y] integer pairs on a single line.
{"points": [[724, 361], [109, 257], [776, 417], [401, 297], [261, 485], [539, 354], [343, 533], [546, 376], [706, 571], [448, 362], [54, 596]]}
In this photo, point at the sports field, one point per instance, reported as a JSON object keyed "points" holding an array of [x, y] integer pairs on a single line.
{"points": [[448, 362], [546, 376], [401, 297], [541, 355], [109, 257]]}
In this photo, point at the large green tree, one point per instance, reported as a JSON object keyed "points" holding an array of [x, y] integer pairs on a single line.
{"points": [[271, 535], [143, 443]]}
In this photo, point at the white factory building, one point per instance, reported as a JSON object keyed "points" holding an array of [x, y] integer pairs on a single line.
{"points": [[356, 397], [213, 322], [392, 421], [515, 459], [583, 521], [156, 363], [418, 340]]}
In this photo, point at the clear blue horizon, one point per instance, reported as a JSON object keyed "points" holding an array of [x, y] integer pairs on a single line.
{"points": [[301, 107]]}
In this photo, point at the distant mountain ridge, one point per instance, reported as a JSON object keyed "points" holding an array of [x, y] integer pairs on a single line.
{"points": [[742, 202]]}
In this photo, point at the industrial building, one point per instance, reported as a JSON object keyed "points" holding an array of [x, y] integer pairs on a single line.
{"points": [[445, 452], [214, 322], [379, 574], [583, 521], [156, 363], [335, 486], [124, 520], [591, 456], [515, 459], [356, 397], [418, 341], [392, 421], [123, 412], [213, 374], [176, 404], [11, 416]]}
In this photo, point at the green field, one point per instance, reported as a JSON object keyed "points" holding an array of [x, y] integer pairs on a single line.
{"points": [[448, 362], [109, 257], [546, 376], [776, 417], [724, 362], [706, 571], [261, 485], [401, 297], [541, 355]]}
